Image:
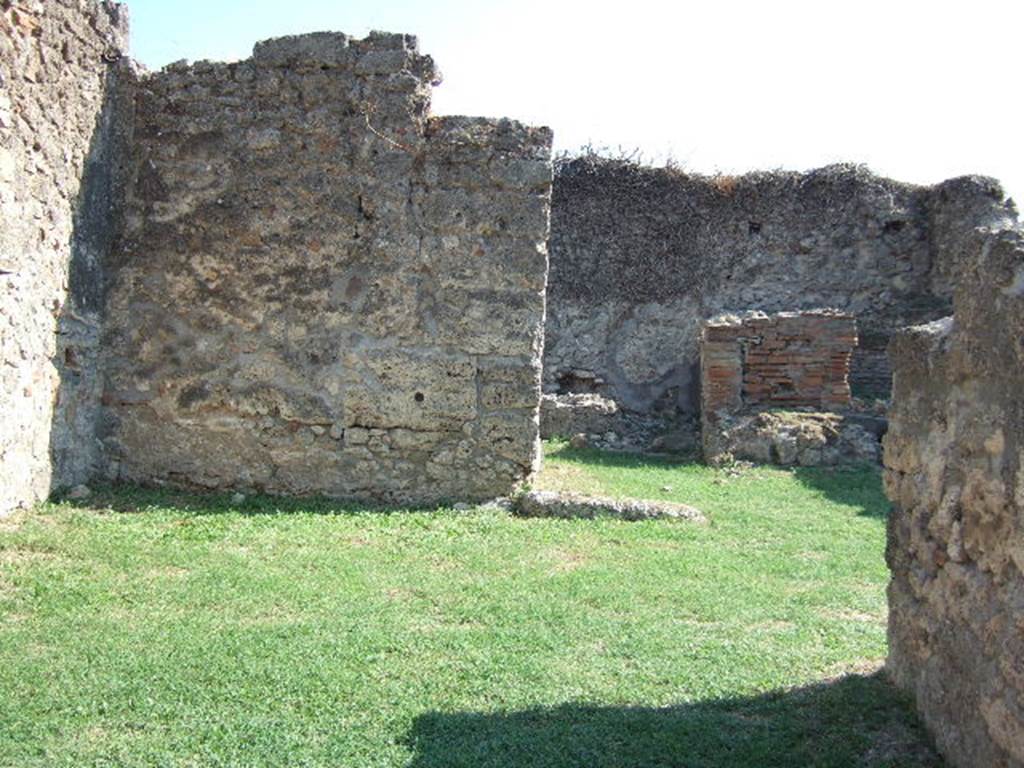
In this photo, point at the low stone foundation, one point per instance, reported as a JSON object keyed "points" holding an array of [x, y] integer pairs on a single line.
{"points": [[574, 505], [568, 415], [598, 422]]}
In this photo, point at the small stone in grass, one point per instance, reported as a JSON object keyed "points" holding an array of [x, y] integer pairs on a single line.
{"points": [[578, 441], [80, 492], [238, 498]]}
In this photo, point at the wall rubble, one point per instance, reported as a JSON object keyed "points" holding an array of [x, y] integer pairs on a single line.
{"points": [[322, 289], [954, 459], [65, 116]]}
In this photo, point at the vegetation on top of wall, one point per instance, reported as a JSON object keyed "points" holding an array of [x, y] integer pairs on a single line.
{"points": [[625, 229], [602, 159]]}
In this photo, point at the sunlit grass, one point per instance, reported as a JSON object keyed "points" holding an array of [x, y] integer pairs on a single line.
{"points": [[183, 630]]}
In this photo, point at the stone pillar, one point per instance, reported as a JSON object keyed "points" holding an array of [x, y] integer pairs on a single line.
{"points": [[65, 117]]}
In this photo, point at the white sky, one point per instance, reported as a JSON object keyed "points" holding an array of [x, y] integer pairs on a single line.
{"points": [[920, 91]]}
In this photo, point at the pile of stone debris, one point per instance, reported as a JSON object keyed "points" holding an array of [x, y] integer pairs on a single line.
{"points": [[594, 421]]}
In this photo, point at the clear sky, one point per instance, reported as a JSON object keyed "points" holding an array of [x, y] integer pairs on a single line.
{"points": [[920, 91]]}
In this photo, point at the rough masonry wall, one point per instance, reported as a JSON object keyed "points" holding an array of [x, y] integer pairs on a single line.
{"points": [[63, 120], [954, 458], [322, 289], [641, 257]]}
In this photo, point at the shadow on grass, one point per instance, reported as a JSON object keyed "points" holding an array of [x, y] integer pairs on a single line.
{"points": [[853, 721], [129, 499], [859, 487]]}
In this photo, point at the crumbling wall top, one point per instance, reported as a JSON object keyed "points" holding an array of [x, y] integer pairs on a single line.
{"points": [[380, 53]]}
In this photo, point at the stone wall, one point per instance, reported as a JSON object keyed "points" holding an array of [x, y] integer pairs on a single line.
{"points": [[954, 458], [323, 289], [64, 118], [641, 257]]}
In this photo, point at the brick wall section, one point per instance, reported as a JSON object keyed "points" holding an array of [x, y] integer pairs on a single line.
{"points": [[322, 289], [63, 115], [786, 360], [721, 368]]}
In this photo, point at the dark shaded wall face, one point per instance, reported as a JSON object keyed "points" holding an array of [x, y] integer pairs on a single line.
{"points": [[321, 288], [641, 257], [64, 111]]}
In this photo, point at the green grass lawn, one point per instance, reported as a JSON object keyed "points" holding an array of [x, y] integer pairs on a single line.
{"points": [[153, 629]]}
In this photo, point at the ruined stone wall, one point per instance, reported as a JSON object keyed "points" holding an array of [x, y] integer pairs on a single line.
{"points": [[64, 116], [641, 257], [321, 288], [954, 458]]}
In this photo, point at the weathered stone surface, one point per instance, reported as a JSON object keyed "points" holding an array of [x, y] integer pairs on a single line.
{"points": [[954, 459], [603, 425], [571, 505], [64, 118], [323, 289], [567, 415], [641, 257], [791, 438]]}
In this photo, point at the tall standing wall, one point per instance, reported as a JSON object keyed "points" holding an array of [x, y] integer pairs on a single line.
{"points": [[954, 469], [64, 118], [321, 288], [641, 257]]}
